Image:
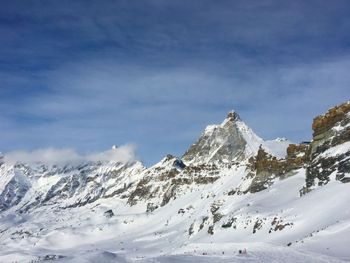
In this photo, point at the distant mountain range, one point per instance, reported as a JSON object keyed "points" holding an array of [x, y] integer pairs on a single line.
{"points": [[231, 190]]}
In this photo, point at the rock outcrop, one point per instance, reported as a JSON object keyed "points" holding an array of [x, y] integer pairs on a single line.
{"points": [[265, 168], [327, 155], [330, 147], [326, 122], [167, 179], [15, 185]]}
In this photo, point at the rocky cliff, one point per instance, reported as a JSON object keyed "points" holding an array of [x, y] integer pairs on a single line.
{"points": [[327, 157], [264, 167], [330, 148]]}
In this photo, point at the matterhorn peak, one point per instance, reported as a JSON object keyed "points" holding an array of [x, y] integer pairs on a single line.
{"points": [[229, 141], [233, 116]]}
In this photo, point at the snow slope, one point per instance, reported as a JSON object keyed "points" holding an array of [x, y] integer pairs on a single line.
{"points": [[83, 234]]}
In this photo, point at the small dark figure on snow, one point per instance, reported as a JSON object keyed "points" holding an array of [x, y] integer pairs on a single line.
{"points": [[244, 251]]}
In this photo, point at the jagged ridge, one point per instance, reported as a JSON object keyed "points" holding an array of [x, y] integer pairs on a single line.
{"points": [[218, 188]]}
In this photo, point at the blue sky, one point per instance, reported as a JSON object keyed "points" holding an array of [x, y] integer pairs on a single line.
{"points": [[154, 73]]}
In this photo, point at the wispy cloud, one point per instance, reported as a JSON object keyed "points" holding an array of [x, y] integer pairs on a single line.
{"points": [[53, 156]]}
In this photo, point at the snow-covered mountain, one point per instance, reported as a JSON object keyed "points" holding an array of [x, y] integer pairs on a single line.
{"points": [[230, 141], [231, 190]]}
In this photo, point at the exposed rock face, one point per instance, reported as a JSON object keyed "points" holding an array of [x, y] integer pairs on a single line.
{"points": [[324, 123], [328, 154], [223, 143], [15, 188], [330, 148], [157, 180], [65, 186], [267, 167], [151, 207], [166, 180], [109, 213]]}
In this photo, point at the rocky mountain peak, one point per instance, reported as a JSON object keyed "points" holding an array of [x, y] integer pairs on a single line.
{"points": [[233, 116], [232, 140]]}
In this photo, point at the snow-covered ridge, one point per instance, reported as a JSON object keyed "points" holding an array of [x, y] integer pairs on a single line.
{"points": [[215, 200]]}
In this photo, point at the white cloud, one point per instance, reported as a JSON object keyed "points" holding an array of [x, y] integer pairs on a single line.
{"points": [[51, 156], [122, 154]]}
